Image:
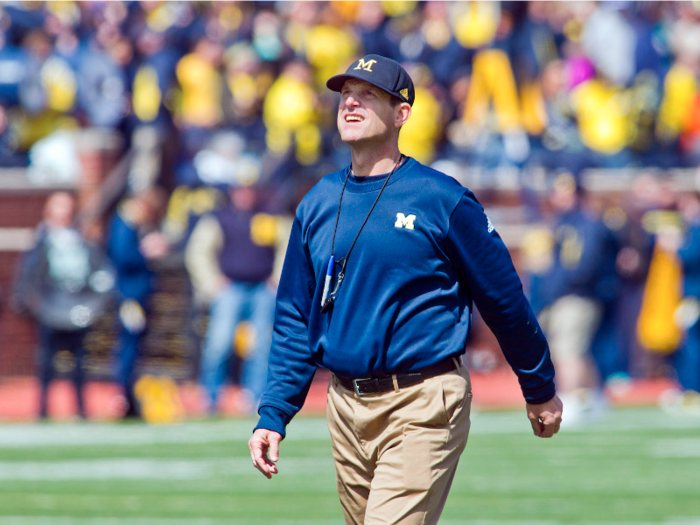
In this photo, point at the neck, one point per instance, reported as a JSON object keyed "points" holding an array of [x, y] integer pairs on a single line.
{"points": [[374, 160]]}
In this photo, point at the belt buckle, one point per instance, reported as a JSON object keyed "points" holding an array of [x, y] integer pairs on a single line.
{"points": [[356, 383]]}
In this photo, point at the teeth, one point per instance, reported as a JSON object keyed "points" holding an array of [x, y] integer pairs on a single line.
{"points": [[353, 118]]}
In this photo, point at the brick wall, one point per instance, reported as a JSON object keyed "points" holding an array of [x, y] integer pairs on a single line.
{"points": [[18, 209]]}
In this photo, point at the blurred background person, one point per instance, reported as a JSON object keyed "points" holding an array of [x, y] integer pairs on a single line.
{"points": [[580, 282], [64, 283], [685, 245], [230, 258], [132, 241]]}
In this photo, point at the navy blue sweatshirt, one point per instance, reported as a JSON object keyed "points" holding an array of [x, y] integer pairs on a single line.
{"points": [[406, 300], [241, 259], [585, 252]]}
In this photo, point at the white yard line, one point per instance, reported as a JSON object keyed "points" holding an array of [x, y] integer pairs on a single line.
{"points": [[675, 448], [58, 435], [138, 468]]}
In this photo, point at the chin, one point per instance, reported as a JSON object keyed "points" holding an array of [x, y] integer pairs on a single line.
{"points": [[350, 138]]}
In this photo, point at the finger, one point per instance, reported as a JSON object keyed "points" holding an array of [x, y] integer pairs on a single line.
{"points": [[274, 447], [266, 466], [547, 431], [557, 422], [251, 444], [536, 427], [260, 464], [548, 422], [260, 459]]}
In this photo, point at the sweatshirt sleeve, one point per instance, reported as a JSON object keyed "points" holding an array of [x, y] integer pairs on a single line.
{"points": [[291, 367], [201, 256], [485, 266], [123, 248]]}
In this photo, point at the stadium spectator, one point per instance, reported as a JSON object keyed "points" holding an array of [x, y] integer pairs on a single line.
{"points": [[132, 242], [63, 283], [230, 257]]}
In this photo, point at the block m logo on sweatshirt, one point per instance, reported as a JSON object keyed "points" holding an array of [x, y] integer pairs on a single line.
{"points": [[404, 221]]}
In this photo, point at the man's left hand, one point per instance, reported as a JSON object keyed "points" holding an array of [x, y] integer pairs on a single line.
{"points": [[546, 417]]}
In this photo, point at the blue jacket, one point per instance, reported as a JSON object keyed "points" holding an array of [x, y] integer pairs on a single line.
{"points": [[134, 279], [690, 257], [585, 251], [426, 254]]}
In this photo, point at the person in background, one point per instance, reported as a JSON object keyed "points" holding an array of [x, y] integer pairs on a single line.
{"points": [[62, 283], [687, 357], [132, 243], [579, 284], [231, 257]]}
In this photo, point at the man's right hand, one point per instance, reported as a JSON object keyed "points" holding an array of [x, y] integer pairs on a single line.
{"points": [[259, 444]]}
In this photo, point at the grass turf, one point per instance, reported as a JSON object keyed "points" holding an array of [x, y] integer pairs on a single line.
{"points": [[636, 466]]}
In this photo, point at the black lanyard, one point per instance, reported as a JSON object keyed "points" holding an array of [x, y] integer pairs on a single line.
{"points": [[327, 299]]}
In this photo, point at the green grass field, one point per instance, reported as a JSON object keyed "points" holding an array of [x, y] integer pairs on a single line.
{"points": [[634, 466]]}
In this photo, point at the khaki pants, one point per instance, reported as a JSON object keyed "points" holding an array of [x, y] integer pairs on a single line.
{"points": [[396, 453], [570, 324]]}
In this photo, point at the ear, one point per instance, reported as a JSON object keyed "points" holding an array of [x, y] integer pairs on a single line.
{"points": [[403, 112]]}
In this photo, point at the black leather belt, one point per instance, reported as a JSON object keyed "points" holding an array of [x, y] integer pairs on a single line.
{"points": [[377, 385]]}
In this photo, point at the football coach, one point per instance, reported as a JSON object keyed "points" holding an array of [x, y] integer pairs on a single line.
{"points": [[385, 260]]}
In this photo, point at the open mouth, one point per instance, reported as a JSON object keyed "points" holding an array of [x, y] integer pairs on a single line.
{"points": [[353, 118]]}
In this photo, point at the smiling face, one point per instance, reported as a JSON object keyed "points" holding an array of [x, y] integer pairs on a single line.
{"points": [[369, 114]]}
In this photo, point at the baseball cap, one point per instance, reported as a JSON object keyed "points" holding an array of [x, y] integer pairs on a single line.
{"points": [[385, 73]]}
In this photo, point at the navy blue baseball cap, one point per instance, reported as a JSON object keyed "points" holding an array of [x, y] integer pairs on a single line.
{"points": [[385, 73]]}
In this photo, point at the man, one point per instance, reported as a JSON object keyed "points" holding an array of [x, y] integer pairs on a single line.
{"points": [[132, 242], [230, 257], [582, 284], [389, 314]]}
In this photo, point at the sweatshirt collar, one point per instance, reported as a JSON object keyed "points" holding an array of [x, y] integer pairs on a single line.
{"points": [[373, 182]]}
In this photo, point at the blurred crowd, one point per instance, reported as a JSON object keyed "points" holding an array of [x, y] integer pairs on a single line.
{"points": [[525, 84]]}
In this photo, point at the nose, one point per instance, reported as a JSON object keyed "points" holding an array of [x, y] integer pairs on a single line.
{"points": [[351, 102]]}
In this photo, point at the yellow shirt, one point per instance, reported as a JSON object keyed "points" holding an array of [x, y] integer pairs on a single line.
{"points": [[201, 85], [422, 131]]}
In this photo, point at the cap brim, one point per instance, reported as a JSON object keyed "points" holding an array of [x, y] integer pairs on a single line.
{"points": [[336, 83]]}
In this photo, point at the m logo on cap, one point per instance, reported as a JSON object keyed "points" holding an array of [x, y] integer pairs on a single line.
{"points": [[367, 66], [404, 93]]}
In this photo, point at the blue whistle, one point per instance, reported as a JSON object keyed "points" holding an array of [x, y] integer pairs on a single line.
{"points": [[327, 284]]}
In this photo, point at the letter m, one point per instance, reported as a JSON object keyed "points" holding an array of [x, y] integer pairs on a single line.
{"points": [[404, 222], [367, 66]]}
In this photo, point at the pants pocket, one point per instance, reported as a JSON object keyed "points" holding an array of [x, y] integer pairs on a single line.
{"points": [[418, 447], [456, 391]]}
